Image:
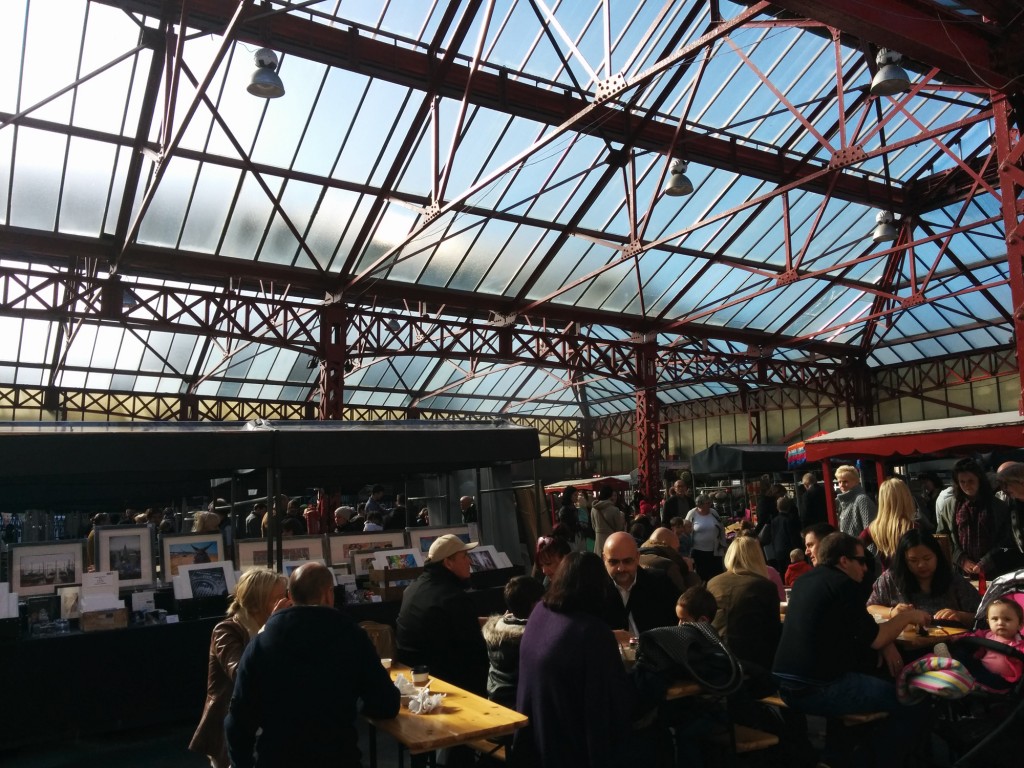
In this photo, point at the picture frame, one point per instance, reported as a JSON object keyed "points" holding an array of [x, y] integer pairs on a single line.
{"points": [[70, 601], [39, 568], [289, 566], [41, 611], [484, 558], [177, 549], [128, 551], [362, 561], [253, 552], [397, 558], [420, 539], [343, 544], [207, 579]]}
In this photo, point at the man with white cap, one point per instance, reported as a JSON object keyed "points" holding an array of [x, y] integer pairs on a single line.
{"points": [[438, 624]]}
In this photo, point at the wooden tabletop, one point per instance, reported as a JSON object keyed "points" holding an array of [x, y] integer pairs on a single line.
{"points": [[463, 717], [909, 638], [681, 689]]}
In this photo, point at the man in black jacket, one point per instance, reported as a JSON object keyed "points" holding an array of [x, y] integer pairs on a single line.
{"points": [[639, 598], [287, 663], [438, 624]]}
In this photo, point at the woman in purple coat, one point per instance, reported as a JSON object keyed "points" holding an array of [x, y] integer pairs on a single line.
{"points": [[572, 682]]}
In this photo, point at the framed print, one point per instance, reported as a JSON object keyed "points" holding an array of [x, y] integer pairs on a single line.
{"points": [[398, 558], [70, 601], [207, 579], [420, 539], [342, 545], [177, 550], [253, 552], [289, 566], [484, 558], [39, 568], [362, 561], [128, 550]]}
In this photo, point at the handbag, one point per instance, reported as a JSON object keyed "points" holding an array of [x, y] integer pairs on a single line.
{"points": [[691, 651]]}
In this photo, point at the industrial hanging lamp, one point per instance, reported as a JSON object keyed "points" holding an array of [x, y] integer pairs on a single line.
{"points": [[885, 227], [679, 185], [265, 81], [890, 78]]}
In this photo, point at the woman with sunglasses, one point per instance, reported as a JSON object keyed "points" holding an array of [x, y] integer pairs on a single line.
{"points": [[921, 577]]}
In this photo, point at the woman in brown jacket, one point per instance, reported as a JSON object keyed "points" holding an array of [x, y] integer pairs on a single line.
{"points": [[258, 594]]}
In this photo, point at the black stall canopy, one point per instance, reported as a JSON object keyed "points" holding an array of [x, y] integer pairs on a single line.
{"points": [[726, 459], [67, 465]]}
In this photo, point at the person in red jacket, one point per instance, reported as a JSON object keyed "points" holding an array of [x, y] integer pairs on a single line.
{"points": [[798, 566]]}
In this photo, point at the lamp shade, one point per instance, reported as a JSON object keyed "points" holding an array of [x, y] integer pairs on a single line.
{"points": [[890, 78], [678, 183], [265, 82], [885, 227]]}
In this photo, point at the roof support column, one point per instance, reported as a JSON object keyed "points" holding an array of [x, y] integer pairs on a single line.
{"points": [[333, 358], [1009, 148], [648, 431]]}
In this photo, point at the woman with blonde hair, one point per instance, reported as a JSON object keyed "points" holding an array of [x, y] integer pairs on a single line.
{"points": [[896, 513], [748, 604], [258, 594]]}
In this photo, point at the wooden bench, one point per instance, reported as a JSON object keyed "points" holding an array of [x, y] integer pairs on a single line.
{"points": [[488, 748], [849, 721], [752, 740]]}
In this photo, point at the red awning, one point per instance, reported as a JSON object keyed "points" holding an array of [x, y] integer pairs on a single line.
{"points": [[939, 437]]}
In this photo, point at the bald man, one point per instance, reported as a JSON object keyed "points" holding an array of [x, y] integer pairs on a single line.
{"points": [[639, 599], [300, 681]]}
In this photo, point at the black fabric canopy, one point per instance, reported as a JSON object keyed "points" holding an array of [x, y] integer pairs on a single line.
{"points": [[72, 465], [721, 459]]}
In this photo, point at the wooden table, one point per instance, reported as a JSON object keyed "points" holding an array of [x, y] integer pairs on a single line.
{"points": [[909, 640], [464, 717], [682, 689]]}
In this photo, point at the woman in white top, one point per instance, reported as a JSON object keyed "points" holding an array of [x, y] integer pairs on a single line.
{"points": [[708, 539]]}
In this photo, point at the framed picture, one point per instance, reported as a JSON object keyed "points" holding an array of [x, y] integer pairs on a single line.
{"points": [[344, 544], [253, 552], [70, 601], [207, 579], [128, 550], [484, 558], [288, 566], [40, 611], [420, 539], [189, 549], [398, 558], [39, 568], [362, 561]]}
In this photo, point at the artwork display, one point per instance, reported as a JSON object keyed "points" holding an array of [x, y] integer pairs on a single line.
{"points": [[128, 551], [397, 558], [342, 545], [253, 552], [420, 539], [484, 558], [189, 549], [40, 568], [70, 601], [207, 579]]}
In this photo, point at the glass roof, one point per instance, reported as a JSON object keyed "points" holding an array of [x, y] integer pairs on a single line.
{"points": [[483, 173]]}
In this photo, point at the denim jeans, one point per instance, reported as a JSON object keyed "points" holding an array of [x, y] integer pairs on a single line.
{"points": [[891, 739]]}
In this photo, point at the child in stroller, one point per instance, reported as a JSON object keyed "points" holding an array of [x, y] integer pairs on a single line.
{"points": [[990, 666]]}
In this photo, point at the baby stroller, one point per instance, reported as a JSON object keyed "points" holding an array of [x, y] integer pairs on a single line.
{"points": [[979, 728]]}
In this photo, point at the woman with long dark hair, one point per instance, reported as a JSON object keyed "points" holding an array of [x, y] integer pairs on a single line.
{"points": [[977, 521], [572, 682], [921, 577]]}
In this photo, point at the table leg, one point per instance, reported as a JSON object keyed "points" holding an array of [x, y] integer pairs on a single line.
{"points": [[373, 745]]}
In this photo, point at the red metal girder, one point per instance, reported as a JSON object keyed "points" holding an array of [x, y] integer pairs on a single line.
{"points": [[1011, 184], [924, 32], [404, 65]]}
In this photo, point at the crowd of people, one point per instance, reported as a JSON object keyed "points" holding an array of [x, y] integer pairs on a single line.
{"points": [[557, 654]]}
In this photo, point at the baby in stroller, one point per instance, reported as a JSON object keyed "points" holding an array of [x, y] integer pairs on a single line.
{"points": [[991, 667]]}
